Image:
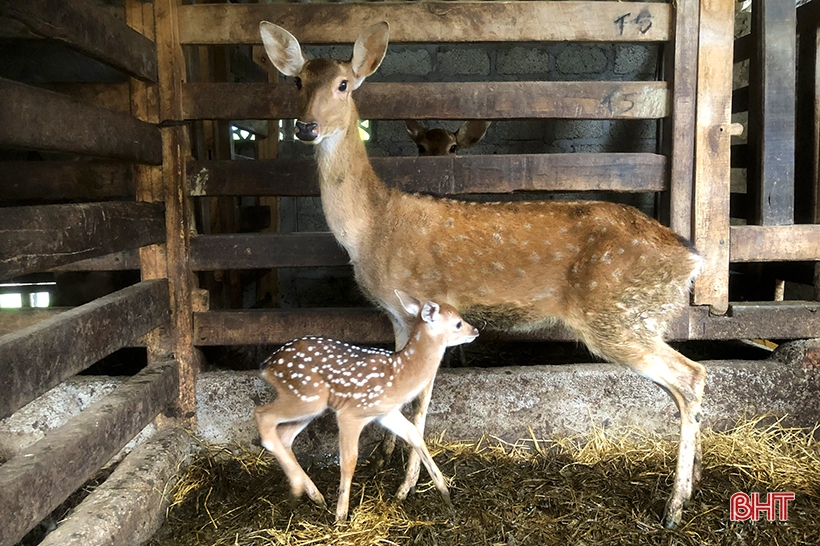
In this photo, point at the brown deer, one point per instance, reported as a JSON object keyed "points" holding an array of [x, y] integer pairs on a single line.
{"points": [[612, 275], [361, 385], [443, 142]]}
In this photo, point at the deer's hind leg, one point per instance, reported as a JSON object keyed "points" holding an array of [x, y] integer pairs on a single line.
{"points": [[684, 380], [279, 422]]}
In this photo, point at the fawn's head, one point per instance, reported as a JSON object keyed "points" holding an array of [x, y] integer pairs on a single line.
{"points": [[324, 85], [439, 321], [444, 142]]}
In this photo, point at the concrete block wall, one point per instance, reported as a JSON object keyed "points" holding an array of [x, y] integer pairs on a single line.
{"points": [[480, 62]]}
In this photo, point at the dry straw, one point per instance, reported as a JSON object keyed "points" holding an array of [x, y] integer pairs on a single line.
{"points": [[609, 488]]}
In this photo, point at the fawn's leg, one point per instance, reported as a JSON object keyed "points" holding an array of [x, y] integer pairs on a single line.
{"points": [[403, 428], [286, 415], [419, 420], [350, 428]]}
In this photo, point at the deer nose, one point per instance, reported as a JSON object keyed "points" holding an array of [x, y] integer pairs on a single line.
{"points": [[306, 131]]}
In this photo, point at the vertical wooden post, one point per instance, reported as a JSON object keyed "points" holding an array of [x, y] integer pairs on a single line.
{"points": [[178, 215], [684, 88], [712, 140], [772, 86]]}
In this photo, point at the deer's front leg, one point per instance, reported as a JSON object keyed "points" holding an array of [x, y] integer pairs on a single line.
{"points": [[350, 428], [419, 419]]}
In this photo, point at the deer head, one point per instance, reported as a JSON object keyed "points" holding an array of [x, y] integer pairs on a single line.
{"points": [[324, 85], [444, 142]]}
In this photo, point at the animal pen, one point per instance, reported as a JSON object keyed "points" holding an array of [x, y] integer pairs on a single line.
{"points": [[140, 174]]}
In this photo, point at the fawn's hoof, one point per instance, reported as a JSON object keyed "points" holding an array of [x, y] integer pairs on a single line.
{"points": [[672, 517]]}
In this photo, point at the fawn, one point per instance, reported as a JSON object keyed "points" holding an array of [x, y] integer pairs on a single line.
{"points": [[612, 275], [361, 385], [443, 142]]}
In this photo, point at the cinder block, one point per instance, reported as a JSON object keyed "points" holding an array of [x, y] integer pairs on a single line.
{"points": [[404, 60], [635, 59], [582, 59], [518, 130], [522, 60], [633, 129], [578, 128], [464, 61]]}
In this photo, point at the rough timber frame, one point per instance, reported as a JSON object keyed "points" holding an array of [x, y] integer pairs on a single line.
{"points": [[143, 134]]}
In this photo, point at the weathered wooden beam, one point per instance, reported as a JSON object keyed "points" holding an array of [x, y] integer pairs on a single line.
{"points": [[779, 320], [441, 100], [772, 88], [434, 22], [712, 141], [265, 250], [57, 180], [12, 320], [117, 261], [799, 242], [38, 480], [88, 28], [114, 96], [129, 507], [38, 119], [743, 48], [38, 238], [443, 175], [684, 93], [39, 357]]}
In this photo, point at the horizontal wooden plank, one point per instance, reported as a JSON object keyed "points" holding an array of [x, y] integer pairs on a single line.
{"points": [[39, 238], [265, 250], [790, 243], [34, 118], [39, 357], [434, 22], [38, 480], [90, 29], [762, 320], [789, 320], [743, 48], [57, 180], [440, 100], [454, 175], [117, 261]]}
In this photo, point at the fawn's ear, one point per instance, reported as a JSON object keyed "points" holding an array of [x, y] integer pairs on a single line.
{"points": [[368, 51], [282, 48], [415, 129], [430, 312], [410, 304], [471, 132]]}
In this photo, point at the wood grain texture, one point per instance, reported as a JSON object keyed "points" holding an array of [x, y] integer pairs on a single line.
{"points": [[35, 482], [433, 22], [38, 119], [39, 238], [799, 242], [440, 100], [265, 251], [88, 28], [57, 180], [712, 191], [41, 356], [453, 175]]}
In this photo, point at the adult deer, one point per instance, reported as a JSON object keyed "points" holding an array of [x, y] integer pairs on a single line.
{"points": [[361, 385], [440, 141], [609, 273]]}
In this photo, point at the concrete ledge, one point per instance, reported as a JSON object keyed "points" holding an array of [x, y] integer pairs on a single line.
{"points": [[562, 400], [130, 505]]}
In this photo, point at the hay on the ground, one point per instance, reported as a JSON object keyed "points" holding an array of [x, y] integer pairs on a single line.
{"points": [[608, 489]]}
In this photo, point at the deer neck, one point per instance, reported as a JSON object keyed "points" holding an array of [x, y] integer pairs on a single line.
{"points": [[425, 353], [353, 196]]}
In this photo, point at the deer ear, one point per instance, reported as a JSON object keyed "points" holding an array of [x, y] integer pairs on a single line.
{"points": [[410, 304], [430, 312], [368, 51], [282, 48], [471, 132], [415, 128]]}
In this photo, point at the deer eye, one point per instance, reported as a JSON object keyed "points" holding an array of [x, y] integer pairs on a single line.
{"points": [[458, 325], [453, 149], [422, 149], [298, 83], [343, 85]]}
